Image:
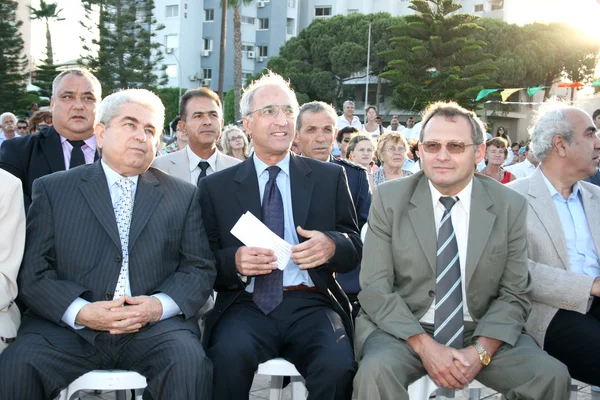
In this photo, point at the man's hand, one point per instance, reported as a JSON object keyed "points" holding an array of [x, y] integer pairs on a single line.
{"points": [[317, 250], [474, 367], [252, 261], [103, 315], [147, 308], [596, 287], [439, 361]]}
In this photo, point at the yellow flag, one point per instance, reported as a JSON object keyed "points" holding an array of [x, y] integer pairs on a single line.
{"points": [[507, 92]]}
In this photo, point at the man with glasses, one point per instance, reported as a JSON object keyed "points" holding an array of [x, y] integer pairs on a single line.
{"points": [[262, 312], [444, 278], [22, 127], [201, 121]]}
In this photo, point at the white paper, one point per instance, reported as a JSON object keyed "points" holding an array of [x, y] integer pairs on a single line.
{"points": [[253, 233]]}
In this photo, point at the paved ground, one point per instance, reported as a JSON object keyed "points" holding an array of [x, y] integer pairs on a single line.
{"points": [[260, 391]]}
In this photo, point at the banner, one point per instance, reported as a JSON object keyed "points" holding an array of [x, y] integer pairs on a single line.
{"points": [[507, 92], [533, 90], [484, 92]]}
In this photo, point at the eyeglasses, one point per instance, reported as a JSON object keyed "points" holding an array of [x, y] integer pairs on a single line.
{"points": [[271, 111], [393, 150], [234, 138], [452, 146], [346, 140], [22, 128]]}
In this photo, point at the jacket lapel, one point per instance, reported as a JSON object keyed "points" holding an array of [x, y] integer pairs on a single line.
{"points": [[423, 224], [593, 216], [247, 192], [181, 166], [543, 205], [52, 149], [147, 197], [481, 222], [301, 187], [95, 190]]}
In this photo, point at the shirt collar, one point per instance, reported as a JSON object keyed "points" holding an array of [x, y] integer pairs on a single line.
{"points": [[112, 177], [194, 159], [554, 193], [91, 141], [464, 196], [260, 166]]}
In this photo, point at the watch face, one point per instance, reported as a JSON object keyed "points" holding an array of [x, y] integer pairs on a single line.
{"points": [[485, 359]]}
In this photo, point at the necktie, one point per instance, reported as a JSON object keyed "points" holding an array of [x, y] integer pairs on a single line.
{"points": [[268, 289], [77, 157], [123, 210], [449, 324], [203, 165]]}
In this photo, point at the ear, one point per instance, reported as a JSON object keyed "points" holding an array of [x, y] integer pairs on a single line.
{"points": [[99, 131], [246, 124], [560, 144], [181, 126], [479, 153], [52, 103]]}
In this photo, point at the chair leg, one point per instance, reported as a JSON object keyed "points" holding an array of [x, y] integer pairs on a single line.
{"points": [[138, 394], [276, 387], [298, 388], [121, 395], [443, 394], [474, 394], [573, 392]]}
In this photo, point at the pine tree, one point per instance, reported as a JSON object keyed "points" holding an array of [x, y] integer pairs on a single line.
{"points": [[43, 78], [126, 56], [435, 58], [13, 62]]}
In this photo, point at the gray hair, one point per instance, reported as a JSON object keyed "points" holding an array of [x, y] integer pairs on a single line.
{"points": [[269, 79], [225, 140], [7, 114], [450, 110], [315, 107], [78, 72], [348, 102], [551, 120], [111, 106]]}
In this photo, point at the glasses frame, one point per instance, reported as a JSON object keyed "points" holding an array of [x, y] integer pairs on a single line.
{"points": [[462, 146], [278, 107]]}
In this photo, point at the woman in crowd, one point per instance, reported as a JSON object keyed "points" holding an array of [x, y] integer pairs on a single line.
{"points": [[501, 132], [180, 141], [39, 120], [360, 151], [343, 138], [391, 151], [495, 155], [371, 128], [234, 142]]}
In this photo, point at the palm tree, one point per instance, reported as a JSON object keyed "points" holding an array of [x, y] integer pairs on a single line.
{"points": [[46, 12], [237, 51]]}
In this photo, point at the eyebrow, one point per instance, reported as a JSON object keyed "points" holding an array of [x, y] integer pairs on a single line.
{"points": [[72, 92], [137, 121], [205, 112]]}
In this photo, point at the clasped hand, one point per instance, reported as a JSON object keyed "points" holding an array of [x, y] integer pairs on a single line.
{"points": [[124, 315]]}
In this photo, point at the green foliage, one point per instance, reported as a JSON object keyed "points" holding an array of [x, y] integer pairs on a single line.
{"points": [[44, 75], [13, 61], [170, 99], [331, 51], [436, 58], [229, 106], [126, 56]]}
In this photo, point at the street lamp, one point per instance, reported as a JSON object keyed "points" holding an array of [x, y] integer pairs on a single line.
{"points": [[171, 51]]}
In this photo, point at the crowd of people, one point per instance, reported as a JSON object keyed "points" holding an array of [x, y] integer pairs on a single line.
{"points": [[434, 248]]}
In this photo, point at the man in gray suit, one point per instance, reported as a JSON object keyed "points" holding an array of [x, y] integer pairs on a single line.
{"points": [[202, 121], [116, 265], [445, 286], [563, 240]]}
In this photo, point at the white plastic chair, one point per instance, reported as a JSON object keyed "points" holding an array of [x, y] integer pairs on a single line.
{"points": [[422, 388], [110, 380], [277, 368]]}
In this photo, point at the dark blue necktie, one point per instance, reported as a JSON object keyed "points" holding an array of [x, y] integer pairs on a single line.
{"points": [[268, 289]]}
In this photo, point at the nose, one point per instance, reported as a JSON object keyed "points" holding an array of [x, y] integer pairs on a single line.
{"points": [[140, 135], [280, 119], [443, 154]]}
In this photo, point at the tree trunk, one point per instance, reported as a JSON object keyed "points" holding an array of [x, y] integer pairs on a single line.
{"points": [[237, 61], [49, 56], [222, 47]]}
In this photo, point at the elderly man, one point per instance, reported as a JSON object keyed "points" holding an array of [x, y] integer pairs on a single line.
{"points": [[298, 313], [70, 142], [315, 130], [563, 239], [348, 118], [8, 125], [115, 267], [445, 285]]}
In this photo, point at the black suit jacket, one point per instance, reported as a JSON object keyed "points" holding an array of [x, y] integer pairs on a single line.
{"points": [[320, 201], [73, 249], [32, 156]]}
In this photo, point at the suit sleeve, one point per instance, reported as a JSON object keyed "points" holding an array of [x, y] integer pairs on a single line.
{"points": [[191, 284], [11, 160], [363, 203], [384, 306], [506, 314], [12, 226], [348, 246]]}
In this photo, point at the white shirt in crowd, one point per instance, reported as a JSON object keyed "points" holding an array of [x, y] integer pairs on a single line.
{"points": [[522, 169], [342, 122]]}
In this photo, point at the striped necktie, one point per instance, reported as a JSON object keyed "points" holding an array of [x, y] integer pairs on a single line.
{"points": [[123, 211]]}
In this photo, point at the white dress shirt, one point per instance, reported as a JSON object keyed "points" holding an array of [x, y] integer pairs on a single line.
{"points": [[522, 169], [170, 308], [195, 169], [459, 215], [342, 122]]}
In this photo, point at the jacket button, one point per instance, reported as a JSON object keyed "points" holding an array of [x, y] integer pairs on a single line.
{"points": [[431, 293], [108, 296], [119, 258]]}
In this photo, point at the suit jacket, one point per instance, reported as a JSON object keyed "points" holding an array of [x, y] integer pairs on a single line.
{"points": [[595, 179], [178, 164], [73, 249], [554, 284], [320, 201], [32, 156], [398, 271], [12, 226]]}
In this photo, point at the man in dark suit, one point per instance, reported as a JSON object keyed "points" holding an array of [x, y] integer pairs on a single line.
{"points": [[116, 265], [68, 143], [315, 132], [261, 312]]}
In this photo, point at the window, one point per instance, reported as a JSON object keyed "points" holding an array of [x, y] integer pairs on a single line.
{"points": [[499, 5], [209, 15], [290, 26], [171, 71], [207, 73], [247, 20], [245, 76], [263, 23], [172, 11], [352, 11], [207, 44], [263, 51], [478, 8], [172, 41], [291, 3], [247, 47], [322, 11]]}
